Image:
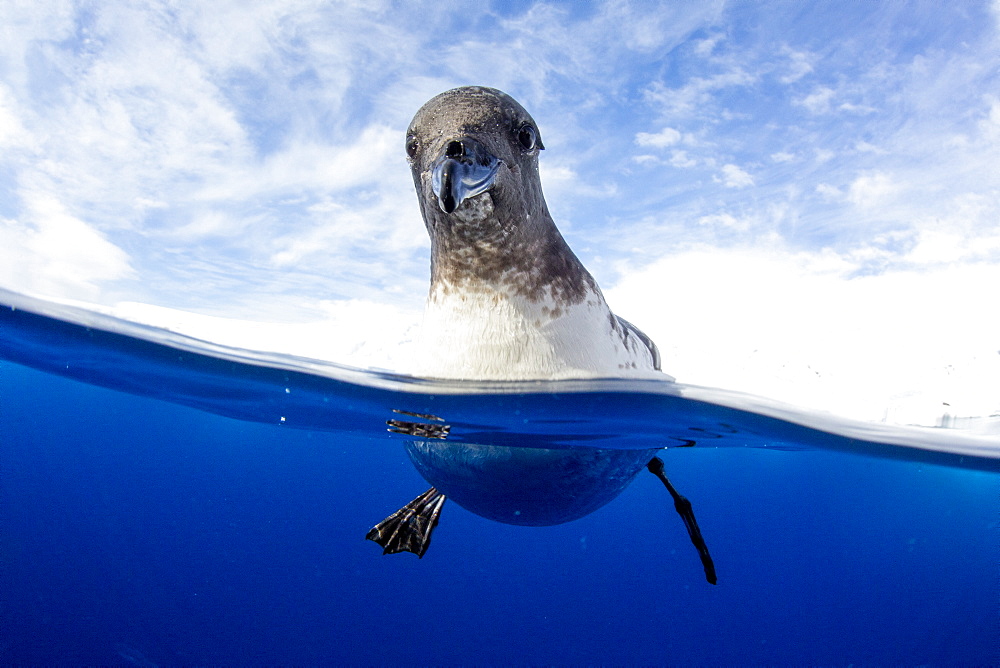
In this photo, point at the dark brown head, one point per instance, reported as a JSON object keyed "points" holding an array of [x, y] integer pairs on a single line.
{"points": [[469, 140], [473, 152]]}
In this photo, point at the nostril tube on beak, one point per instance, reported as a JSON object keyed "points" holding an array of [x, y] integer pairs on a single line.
{"points": [[464, 169]]}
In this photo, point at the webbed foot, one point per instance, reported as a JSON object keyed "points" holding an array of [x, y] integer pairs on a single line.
{"points": [[409, 528], [683, 508]]}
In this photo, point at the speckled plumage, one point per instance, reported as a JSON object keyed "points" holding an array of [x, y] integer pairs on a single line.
{"points": [[508, 298]]}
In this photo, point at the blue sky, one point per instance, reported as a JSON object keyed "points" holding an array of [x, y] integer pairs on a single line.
{"points": [[795, 199]]}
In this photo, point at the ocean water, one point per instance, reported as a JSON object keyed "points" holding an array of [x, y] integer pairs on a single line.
{"points": [[165, 501]]}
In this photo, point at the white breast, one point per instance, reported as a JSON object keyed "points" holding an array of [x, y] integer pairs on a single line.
{"points": [[496, 336]]}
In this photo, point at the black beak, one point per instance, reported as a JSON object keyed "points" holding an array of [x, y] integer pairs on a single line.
{"points": [[465, 170]]}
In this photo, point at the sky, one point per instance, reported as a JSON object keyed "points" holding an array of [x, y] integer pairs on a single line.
{"points": [[798, 200]]}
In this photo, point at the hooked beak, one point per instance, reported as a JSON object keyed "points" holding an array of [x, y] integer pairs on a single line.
{"points": [[465, 170]]}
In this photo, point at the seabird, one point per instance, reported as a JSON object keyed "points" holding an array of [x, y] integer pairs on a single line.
{"points": [[508, 300]]}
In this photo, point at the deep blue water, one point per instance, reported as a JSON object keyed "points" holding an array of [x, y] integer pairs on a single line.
{"points": [[183, 522]]}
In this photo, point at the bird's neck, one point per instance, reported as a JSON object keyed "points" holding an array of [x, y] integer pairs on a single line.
{"points": [[527, 259]]}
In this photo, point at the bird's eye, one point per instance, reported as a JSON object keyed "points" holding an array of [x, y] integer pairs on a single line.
{"points": [[526, 137], [411, 146]]}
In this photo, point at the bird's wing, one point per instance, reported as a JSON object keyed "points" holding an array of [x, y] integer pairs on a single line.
{"points": [[648, 342]]}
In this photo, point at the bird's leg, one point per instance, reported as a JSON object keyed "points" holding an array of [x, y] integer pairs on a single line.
{"points": [[409, 528], [683, 507]]}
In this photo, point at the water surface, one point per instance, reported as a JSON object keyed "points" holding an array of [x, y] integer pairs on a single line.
{"points": [[165, 501]]}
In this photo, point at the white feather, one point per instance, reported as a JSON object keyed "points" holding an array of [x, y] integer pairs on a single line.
{"points": [[489, 335]]}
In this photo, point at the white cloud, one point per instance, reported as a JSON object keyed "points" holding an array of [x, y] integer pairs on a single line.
{"points": [[800, 63], [307, 165], [990, 125], [937, 247], [734, 177], [817, 102], [853, 108], [51, 252], [557, 175], [796, 327], [705, 47], [829, 192], [694, 97], [824, 155], [346, 227], [963, 230], [13, 134], [682, 160], [561, 183], [871, 190], [356, 332], [547, 54], [650, 26], [868, 147], [662, 139]]}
